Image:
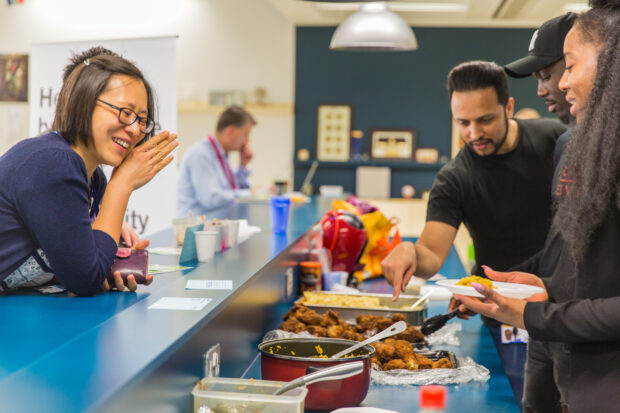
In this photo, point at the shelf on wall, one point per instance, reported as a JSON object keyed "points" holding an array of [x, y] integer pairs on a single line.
{"points": [[203, 107], [401, 164]]}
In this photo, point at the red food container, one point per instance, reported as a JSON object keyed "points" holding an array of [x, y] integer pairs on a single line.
{"points": [[289, 358]]}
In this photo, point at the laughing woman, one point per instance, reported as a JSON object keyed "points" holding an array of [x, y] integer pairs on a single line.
{"points": [[58, 216]]}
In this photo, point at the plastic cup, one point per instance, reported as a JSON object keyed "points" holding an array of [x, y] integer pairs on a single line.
{"points": [[181, 224], [232, 232], [205, 245], [220, 244], [279, 206], [331, 278]]}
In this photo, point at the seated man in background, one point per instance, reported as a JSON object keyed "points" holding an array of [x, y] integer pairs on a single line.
{"points": [[206, 180]]}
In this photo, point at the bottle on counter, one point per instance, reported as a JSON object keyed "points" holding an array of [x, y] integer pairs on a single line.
{"points": [[310, 276], [432, 399]]}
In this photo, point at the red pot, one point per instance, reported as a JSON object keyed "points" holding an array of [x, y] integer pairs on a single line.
{"points": [[289, 358]]}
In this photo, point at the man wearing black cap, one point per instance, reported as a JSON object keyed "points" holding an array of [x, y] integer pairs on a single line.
{"points": [[546, 371], [545, 61]]}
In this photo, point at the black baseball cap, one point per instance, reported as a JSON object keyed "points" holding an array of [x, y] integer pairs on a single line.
{"points": [[546, 47]]}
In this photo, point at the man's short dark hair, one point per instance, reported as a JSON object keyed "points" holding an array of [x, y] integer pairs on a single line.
{"points": [[478, 75], [234, 116]]}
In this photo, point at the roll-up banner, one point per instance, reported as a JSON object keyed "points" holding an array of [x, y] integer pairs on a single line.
{"points": [[152, 207]]}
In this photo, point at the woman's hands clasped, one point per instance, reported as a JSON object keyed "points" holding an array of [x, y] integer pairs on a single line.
{"points": [[504, 309]]}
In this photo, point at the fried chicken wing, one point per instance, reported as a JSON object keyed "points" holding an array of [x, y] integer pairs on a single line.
{"points": [[335, 331], [398, 317], [411, 334], [442, 363], [395, 364], [317, 331], [293, 325], [402, 349]]}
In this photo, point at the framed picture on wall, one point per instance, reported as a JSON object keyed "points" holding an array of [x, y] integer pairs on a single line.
{"points": [[427, 155], [392, 143], [13, 77], [333, 132]]}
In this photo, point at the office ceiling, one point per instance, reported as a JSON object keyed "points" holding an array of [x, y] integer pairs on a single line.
{"points": [[423, 13]]}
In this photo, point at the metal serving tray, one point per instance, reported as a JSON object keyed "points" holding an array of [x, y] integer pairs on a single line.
{"points": [[413, 317]]}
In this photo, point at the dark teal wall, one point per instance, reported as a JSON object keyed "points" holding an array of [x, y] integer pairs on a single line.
{"points": [[396, 89]]}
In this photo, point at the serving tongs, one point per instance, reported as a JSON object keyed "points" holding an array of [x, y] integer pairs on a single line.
{"points": [[430, 325]]}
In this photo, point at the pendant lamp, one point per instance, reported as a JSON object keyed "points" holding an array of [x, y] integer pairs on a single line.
{"points": [[374, 27]]}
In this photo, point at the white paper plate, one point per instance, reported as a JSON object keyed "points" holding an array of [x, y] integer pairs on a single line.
{"points": [[506, 289]]}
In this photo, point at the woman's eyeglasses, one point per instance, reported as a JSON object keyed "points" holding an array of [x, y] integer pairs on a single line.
{"points": [[128, 117]]}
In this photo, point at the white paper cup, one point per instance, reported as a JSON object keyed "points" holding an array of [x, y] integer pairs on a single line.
{"points": [[220, 244], [205, 245], [232, 234]]}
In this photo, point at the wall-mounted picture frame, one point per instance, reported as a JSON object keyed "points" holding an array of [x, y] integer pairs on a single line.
{"points": [[392, 143], [13, 77], [333, 132], [427, 155]]}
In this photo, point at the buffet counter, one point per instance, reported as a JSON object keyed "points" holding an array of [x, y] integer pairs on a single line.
{"points": [[111, 353]]}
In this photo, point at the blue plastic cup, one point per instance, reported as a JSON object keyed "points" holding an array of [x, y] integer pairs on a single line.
{"points": [[279, 214]]}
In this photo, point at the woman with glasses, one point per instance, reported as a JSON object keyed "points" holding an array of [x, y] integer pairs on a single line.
{"points": [[58, 215]]}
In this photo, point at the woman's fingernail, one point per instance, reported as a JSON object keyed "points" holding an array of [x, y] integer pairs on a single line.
{"points": [[477, 287]]}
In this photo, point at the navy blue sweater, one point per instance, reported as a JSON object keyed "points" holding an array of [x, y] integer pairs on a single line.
{"points": [[45, 203]]}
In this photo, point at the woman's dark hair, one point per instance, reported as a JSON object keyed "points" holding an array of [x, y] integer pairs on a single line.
{"points": [[476, 75], [234, 116], [592, 157], [85, 78]]}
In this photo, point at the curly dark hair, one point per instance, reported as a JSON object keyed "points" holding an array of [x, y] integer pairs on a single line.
{"points": [[84, 79], [595, 171]]}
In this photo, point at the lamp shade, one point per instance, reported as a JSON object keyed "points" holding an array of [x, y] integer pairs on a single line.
{"points": [[374, 27]]}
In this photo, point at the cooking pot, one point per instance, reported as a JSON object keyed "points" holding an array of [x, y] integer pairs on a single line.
{"points": [[289, 358]]}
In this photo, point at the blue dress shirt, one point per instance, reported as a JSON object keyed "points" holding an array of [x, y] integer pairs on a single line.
{"points": [[203, 185]]}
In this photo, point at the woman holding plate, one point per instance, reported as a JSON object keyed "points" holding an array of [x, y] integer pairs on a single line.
{"points": [[581, 302]]}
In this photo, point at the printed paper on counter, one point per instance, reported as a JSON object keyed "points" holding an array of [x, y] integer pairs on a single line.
{"points": [[209, 285], [180, 303]]}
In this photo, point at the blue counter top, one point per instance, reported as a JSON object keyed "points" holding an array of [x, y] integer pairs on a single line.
{"points": [[111, 353]]}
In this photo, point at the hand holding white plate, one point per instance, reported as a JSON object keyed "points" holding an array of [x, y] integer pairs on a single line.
{"points": [[512, 290]]}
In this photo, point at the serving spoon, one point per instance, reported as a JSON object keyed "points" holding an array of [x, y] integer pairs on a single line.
{"points": [[341, 371], [395, 328]]}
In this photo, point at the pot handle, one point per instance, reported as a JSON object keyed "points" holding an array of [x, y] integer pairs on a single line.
{"points": [[341, 371]]}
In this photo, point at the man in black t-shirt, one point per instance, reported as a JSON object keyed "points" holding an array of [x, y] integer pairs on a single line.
{"points": [[498, 185]]}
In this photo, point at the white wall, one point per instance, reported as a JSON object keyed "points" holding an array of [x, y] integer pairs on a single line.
{"points": [[222, 45]]}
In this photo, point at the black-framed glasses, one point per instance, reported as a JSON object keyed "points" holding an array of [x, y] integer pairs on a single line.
{"points": [[128, 117]]}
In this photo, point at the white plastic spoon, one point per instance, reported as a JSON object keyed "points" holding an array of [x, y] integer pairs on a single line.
{"points": [[395, 328], [421, 299]]}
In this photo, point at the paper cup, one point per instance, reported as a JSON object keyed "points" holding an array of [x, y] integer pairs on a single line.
{"points": [[221, 235], [205, 245], [181, 224], [331, 278], [232, 232]]}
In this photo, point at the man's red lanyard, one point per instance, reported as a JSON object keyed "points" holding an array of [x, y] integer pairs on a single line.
{"points": [[225, 167]]}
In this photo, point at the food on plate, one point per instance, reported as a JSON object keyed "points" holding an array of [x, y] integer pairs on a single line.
{"points": [[466, 281], [301, 318], [393, 354]]}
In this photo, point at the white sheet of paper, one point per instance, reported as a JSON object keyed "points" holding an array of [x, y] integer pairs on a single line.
{"points": [[208, 285], [158, 268], [180, 303], [165, 250]]}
